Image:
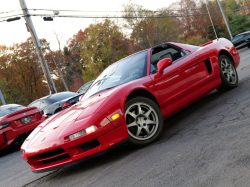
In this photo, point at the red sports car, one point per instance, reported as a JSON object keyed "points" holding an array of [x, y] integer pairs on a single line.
{"points": [[129, 101], [16, 121]]}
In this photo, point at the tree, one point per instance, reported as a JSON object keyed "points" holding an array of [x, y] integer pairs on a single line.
{"points": [[219, 31], [151, 30], [73, 62], [238, 24], [21, 72], [103, 45]]}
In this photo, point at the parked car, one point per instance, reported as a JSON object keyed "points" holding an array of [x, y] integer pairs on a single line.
{"points": [[52, 104], [242, 40], [16, 122], [73, 100], [128, 102]]}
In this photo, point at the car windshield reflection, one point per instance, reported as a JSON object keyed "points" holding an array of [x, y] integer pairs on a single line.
{"points": [[125, 70]]}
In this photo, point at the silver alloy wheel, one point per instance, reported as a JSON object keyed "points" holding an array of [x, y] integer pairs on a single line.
{"points": [[228, 71], [142, 121]]}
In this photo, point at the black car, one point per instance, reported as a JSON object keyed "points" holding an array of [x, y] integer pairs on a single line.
{"points": [[52, 104], [242, 40]]}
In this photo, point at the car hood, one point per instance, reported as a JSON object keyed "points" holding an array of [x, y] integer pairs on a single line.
{"points": [[52, 131]]}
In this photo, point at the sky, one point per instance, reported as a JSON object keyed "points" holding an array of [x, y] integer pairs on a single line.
{"points": [[65, 28]]}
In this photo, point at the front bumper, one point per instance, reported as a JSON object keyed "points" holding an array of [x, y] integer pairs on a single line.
{"points": [[8, 135], [62, 156]]}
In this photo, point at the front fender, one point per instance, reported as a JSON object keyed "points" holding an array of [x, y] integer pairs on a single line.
{"points": [[115, 102]]}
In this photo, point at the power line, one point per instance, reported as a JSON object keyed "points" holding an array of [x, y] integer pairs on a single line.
{"points": [[103, 17], [10, 11], [20, 15], [96, 16], [34, 9]]}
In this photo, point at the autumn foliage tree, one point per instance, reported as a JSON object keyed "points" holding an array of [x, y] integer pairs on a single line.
{"points": [[20, 69], [149, 28]]}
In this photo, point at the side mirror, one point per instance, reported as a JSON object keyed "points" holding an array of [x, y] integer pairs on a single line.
{"points": [[163, 64], [81, 97]]}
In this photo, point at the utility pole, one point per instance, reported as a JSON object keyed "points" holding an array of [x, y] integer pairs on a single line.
{"points": [[38, 47], [225, 19]]}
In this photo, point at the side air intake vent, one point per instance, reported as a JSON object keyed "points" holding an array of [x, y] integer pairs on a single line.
{"points": [[208, 66]]}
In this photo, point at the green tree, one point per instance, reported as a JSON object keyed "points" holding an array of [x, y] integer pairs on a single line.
{"points": [[238, 24], [219, 31], [103, 44]]}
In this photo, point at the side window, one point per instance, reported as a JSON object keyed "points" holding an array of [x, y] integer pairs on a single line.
{"points": [[153, 69], [84, 88], [164, 51], [43, 104], [35, 104]]}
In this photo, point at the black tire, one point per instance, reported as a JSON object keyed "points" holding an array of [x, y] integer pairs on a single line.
{"points": [[144, 121], [228, 74]]}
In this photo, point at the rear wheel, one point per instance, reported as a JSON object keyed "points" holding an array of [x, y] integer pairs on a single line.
{"points": [[228, 74], [144, 120]]}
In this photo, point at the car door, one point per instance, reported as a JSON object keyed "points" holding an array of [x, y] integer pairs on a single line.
{"points": [[183, 80]]}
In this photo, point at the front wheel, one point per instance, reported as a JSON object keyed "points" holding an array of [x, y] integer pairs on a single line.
{"points": [[228, 74], [144, 121]]}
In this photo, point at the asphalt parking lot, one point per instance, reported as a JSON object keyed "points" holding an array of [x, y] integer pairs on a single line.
{"points": [[206, 144]]}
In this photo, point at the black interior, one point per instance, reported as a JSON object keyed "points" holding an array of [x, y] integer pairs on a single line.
{"points": [[164, 51]]}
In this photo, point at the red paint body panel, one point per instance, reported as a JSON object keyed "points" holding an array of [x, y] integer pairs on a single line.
{"points": [[180, 84], [16, 128]]}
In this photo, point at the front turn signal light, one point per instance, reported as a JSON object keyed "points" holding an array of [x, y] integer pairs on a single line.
{"points": [[115, 116]]}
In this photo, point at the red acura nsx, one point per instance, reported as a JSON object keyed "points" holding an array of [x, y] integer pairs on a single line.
{"points": [[129, 101], [16, 121]]}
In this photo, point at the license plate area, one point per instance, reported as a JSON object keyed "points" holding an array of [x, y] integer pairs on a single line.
{"points": [[26, 120]]}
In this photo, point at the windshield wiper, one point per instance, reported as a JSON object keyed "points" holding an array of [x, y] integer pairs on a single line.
{"points": [[102, 90]]}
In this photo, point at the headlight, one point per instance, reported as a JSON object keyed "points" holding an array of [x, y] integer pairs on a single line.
{"points": [[81, 133]]}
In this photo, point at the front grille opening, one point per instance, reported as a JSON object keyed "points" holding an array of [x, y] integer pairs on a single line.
{"points": [[61, 157], [91, 144], [51, 153]]}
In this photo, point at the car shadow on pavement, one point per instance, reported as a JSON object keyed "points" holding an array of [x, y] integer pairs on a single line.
{"points": [[10, 149], [174, 124]]}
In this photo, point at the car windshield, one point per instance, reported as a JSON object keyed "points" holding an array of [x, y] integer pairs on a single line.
{"points": [[60, 96], [5, 110], [125, 70]]}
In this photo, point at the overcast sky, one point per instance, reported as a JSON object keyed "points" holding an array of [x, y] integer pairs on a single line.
{"points": [[16, 32]]}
